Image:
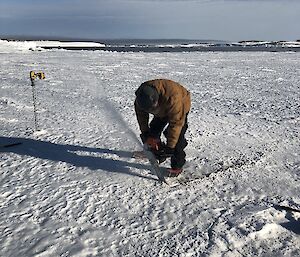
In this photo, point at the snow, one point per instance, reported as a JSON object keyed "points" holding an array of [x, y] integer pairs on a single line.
{"points": [[289, 44], [71, 189], [151, 46], [6, 45]]}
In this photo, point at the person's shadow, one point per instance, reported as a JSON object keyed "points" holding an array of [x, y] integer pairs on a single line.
{"points": [[72, 154]]}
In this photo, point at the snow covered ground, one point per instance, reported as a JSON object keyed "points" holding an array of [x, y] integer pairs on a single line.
{"points": [[72, 189]]}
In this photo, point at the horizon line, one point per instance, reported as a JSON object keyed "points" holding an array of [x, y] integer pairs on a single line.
{"points": [[102, 40]]}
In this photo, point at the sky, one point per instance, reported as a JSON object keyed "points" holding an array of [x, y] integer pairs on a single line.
{"points": [[230, 20]]}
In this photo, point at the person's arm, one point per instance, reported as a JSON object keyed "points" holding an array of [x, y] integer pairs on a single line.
{"points": [[176, 117], [142, 118]]}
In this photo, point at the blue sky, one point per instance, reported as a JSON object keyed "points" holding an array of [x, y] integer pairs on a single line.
{"points": [[231, 20]]}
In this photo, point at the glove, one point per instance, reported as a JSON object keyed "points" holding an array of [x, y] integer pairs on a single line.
{"points": [[144, 136], [154, 143]]}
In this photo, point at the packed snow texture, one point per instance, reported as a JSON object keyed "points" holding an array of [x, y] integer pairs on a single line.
{"points": [[72, 189]]}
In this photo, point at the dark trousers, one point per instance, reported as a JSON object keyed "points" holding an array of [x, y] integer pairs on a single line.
{"points": [[157, 126]]}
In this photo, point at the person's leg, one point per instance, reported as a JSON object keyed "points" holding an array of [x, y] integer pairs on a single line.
{"points": [[178, 159], [157, 125]]}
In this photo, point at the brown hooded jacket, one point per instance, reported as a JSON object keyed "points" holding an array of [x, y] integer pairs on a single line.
{"points": [[173, 104]]}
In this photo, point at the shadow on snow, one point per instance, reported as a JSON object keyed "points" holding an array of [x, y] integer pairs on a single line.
{"points": [[70, 154]]}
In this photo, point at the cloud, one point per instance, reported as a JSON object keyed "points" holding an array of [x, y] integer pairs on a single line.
{"points": [[215, 19]]}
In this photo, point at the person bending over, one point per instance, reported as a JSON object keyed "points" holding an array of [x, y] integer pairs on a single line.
{"points": [[170, 103]]}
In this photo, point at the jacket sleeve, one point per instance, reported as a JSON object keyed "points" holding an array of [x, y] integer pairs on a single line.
{"points": [[142, 118], [176, 117]]}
